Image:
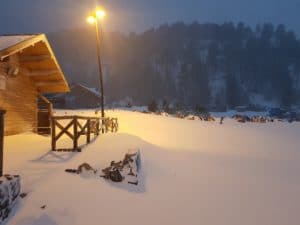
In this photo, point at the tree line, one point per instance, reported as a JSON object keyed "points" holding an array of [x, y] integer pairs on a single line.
{"points": [[211, 65]]}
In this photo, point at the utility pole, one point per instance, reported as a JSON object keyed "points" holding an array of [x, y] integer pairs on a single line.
{"points": [[100, 67]]}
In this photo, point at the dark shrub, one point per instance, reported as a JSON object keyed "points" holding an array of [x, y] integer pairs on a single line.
{"points": [[152, 107], [201, 109], [165, 106]]}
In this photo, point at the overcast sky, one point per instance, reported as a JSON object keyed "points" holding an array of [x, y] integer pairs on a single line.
{"points": [[36, 16]]}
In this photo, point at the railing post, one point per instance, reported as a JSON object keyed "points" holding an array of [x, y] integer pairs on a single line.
{"points": [[88, 131], [97, 127], [75, 144], [53, 134], [2, 112], [102, 124]]}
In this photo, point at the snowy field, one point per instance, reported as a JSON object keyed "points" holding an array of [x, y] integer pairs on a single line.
{"points": [[193, 173]]}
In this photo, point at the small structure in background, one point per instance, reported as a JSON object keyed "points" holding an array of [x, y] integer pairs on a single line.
{"points": [[28, 69], [80, 97]]}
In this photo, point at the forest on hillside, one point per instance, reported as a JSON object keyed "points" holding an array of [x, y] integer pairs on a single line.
{"points": [[211, 65]]}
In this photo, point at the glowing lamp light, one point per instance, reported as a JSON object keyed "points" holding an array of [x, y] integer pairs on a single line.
{"points": [[91, 20], [100, 13]]}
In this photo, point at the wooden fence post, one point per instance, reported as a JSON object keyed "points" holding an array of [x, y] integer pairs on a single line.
{"points": [[53, 134], [75, 144], [98, 127], [2, 112], [102, 124], [88, 131]]}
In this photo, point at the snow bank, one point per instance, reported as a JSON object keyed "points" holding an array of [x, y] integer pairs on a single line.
{"points": [[192, 173]]}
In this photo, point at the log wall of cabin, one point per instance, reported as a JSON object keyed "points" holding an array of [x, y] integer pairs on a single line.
{"points": [[19, 99]]}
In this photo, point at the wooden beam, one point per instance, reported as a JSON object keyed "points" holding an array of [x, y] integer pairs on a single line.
{"points": [[34, 73], [50, 83], [53, 89], [34, 58]]}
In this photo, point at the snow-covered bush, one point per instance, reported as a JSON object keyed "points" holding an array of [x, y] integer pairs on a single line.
{"points": [[10, 188]]}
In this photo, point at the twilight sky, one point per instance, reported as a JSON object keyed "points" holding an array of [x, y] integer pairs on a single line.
{"points": [[36, 16]]}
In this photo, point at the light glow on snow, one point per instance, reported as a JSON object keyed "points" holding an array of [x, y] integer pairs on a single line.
{"points": [[193, 173]]}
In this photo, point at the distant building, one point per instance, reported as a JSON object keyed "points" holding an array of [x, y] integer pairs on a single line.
{"points": [[80, 97], [28, 69]]}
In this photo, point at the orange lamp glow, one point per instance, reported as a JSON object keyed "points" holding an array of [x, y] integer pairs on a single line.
{"points": [[91, 19], [100, 13]]}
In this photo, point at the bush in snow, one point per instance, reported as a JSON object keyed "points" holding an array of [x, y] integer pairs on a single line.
{"points": [[10, 188], [201, 109], [152, 107], [165, 106]]}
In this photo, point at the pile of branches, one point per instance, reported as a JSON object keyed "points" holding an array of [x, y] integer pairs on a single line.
{"points": [[255, 119], [124, 170]]}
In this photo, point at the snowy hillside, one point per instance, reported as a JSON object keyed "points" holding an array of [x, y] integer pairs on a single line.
{"points": [[193, 173], [212, 65]]}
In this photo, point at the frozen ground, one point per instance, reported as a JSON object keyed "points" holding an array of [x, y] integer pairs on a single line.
{"points": [[194, 173]]}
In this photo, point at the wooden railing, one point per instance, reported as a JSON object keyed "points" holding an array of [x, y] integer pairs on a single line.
{"points": [[87, 127], [2, 112], [111, 124]]}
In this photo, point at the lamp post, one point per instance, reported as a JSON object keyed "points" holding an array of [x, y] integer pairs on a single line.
{"points": [[93, 20]]}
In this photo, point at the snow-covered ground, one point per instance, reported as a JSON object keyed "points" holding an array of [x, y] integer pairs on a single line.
{"points": [[193, 173]]}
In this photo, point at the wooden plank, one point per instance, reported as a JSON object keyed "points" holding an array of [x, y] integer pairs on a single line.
{"points": [[88, 135], [2, 112], [75, 140], [34, 73], [64, 130], [34, 58], [79, 125], [78, 117], [52, 88], [50, 83], [53, 140], [83, 128]]}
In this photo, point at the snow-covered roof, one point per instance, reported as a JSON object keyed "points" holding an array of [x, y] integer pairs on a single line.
{"points": [[8, 41], [91, 90], [36, 45]]}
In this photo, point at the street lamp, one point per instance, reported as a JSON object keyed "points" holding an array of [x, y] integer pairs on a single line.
{"points": [[93, 20]]}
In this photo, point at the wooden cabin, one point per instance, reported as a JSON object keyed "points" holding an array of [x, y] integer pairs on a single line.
{"points": [[80, 97], [28, 69]]}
